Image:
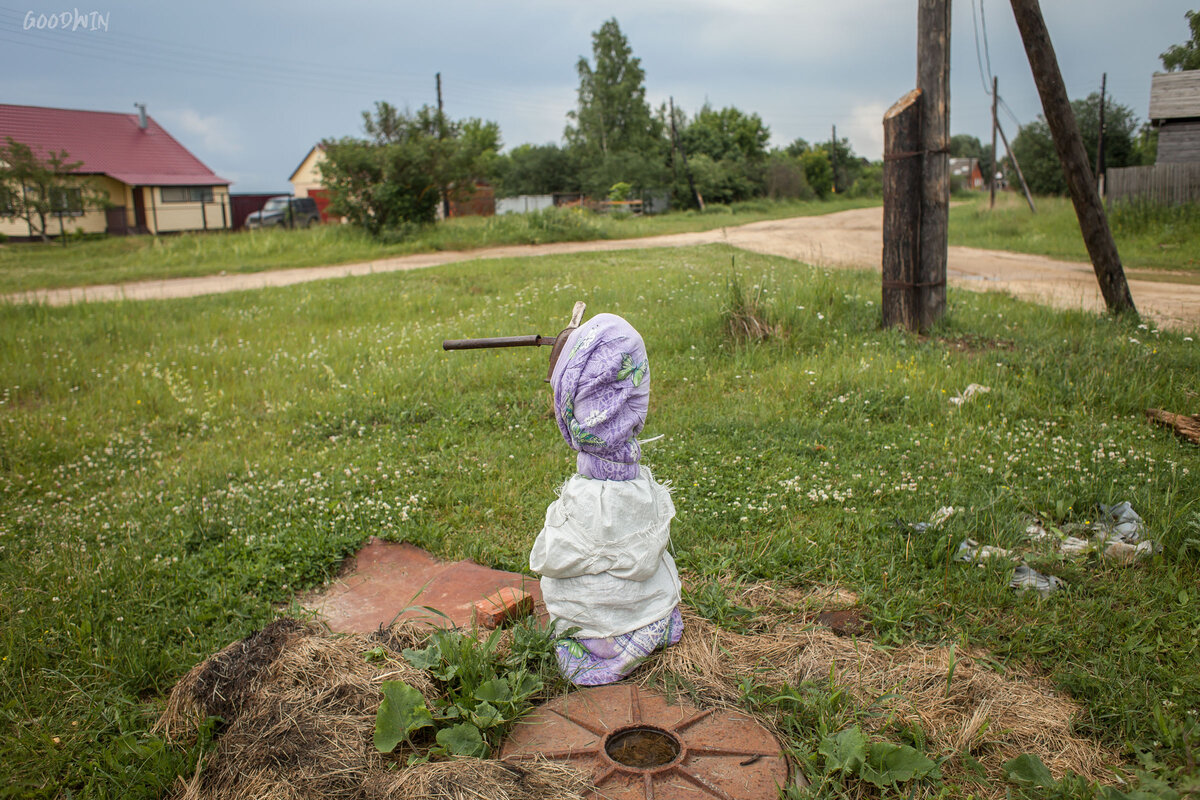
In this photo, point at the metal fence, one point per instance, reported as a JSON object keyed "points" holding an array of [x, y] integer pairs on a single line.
{"points": [[1161, 184]]}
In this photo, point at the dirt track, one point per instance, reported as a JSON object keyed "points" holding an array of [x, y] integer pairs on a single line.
{"points": [[845, 239]]}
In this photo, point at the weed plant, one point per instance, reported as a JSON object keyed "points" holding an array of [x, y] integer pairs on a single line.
{"points": [[173, 473]]}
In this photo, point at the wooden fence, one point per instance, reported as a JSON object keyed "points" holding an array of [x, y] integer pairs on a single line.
{"points": [[1162, 184]]}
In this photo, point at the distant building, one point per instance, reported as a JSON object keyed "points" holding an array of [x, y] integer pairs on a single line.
{"points": [[1175, 111], [306, 181], [152, 182], [968, 170]]}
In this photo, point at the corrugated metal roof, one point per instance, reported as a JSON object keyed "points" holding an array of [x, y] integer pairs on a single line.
{"points": [[108, 143]]}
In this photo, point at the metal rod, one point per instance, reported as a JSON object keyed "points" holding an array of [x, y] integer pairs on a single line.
{"points": [[532, 340]]}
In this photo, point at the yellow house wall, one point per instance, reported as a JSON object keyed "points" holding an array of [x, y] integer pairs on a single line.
{"points": [[92, 220], [307, 176], [162, 217]]}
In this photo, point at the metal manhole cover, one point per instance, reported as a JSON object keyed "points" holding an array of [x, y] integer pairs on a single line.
{"points": [[637, 745]]}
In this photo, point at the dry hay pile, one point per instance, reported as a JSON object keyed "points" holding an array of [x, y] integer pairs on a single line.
{"points": [[298, 708], [991, 716]]}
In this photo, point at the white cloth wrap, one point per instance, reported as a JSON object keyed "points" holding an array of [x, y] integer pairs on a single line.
{"points": [[603, 556]]}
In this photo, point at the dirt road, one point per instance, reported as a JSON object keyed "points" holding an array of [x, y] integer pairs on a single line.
{"points": [[846, 239]]}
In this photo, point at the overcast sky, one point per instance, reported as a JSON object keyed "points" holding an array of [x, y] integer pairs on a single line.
{"points": [[250, 86]]}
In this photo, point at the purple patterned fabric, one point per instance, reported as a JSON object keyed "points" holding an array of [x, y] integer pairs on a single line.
{"points": [[595, 662], [601, 395]]}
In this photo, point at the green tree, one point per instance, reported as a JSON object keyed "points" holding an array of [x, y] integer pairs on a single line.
{"points": [[818, 171], [1034, 146], [785, 178], [1187, 55], [612, 129], [537, 169], [727, 133], [396, 176], [37, 188], [797, 148], [727, 153], [846, 167]]}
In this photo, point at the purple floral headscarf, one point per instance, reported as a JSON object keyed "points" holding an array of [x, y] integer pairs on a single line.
{"points": [[601, 395]]}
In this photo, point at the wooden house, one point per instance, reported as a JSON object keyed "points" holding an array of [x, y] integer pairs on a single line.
{"points": [[153, 184], [1175, 111]]}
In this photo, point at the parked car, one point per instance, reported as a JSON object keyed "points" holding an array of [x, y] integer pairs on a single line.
{"points": [[285, 212]]}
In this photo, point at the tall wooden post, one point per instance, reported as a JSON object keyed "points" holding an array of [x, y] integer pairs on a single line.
{"points": [[902, 181], [1017, 166], [1069, 144], [933, 79], [833, 158], [995, 161], [441, 121], [687, 171], [1100, 139]]}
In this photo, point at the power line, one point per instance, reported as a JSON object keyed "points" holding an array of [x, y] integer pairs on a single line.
{"points": [[978, 55]]}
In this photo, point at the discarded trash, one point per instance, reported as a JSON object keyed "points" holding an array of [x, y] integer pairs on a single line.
{"points": [[1026, 577], [941, 515], [969, 392], [1122, 520], [1117, 535], [1074, 546], [971, 550]]}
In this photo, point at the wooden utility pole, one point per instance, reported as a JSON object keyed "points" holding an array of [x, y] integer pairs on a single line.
{"points": [[992, 177], [687, 171], [933, 79], [1069, 144], [833, 159], [441, 136], [902, 181], [1017, 166], [1100, 139]]}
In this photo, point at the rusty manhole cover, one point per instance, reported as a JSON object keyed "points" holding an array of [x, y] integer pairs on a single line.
{"points": [[637, 745]]}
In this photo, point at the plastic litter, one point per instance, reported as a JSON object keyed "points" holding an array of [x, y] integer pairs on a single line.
{"points": [[970, 550], [966, 394], [1026, 577], [1122, 520], [941, 515], [1117, 535]]}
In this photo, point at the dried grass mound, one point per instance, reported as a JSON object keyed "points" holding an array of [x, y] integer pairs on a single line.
{"points": [[1183, 425], [298, 706], [473, 779], [993, 717]]}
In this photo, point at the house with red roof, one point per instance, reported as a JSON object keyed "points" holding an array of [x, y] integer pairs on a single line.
{"points": [[153, 184]]}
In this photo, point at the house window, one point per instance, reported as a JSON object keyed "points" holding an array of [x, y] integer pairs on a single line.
{"points": [[8, 202], [187, 194], [66, 201]]}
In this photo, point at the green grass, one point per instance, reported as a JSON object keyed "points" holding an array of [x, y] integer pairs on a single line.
{"points": [[171, 472], [27, 266], [1147, 239]]}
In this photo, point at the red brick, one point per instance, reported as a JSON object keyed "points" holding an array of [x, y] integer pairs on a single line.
{"points": [[502, 606]]}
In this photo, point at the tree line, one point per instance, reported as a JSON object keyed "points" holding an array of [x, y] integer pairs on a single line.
{"points": [[614, 145]]}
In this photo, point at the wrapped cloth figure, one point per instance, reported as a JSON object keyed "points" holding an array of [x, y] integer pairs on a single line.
{"points": [[606, 574]]}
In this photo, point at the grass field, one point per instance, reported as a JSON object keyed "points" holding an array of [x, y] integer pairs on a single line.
{"points": [[171, 472], [27, 266], [1147, 239]]}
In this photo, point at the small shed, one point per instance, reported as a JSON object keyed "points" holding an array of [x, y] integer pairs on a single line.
{"points": [[1175, 111], [524, 203]]}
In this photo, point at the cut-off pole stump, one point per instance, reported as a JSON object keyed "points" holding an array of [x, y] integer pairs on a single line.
{"points": [[902, 179]]}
